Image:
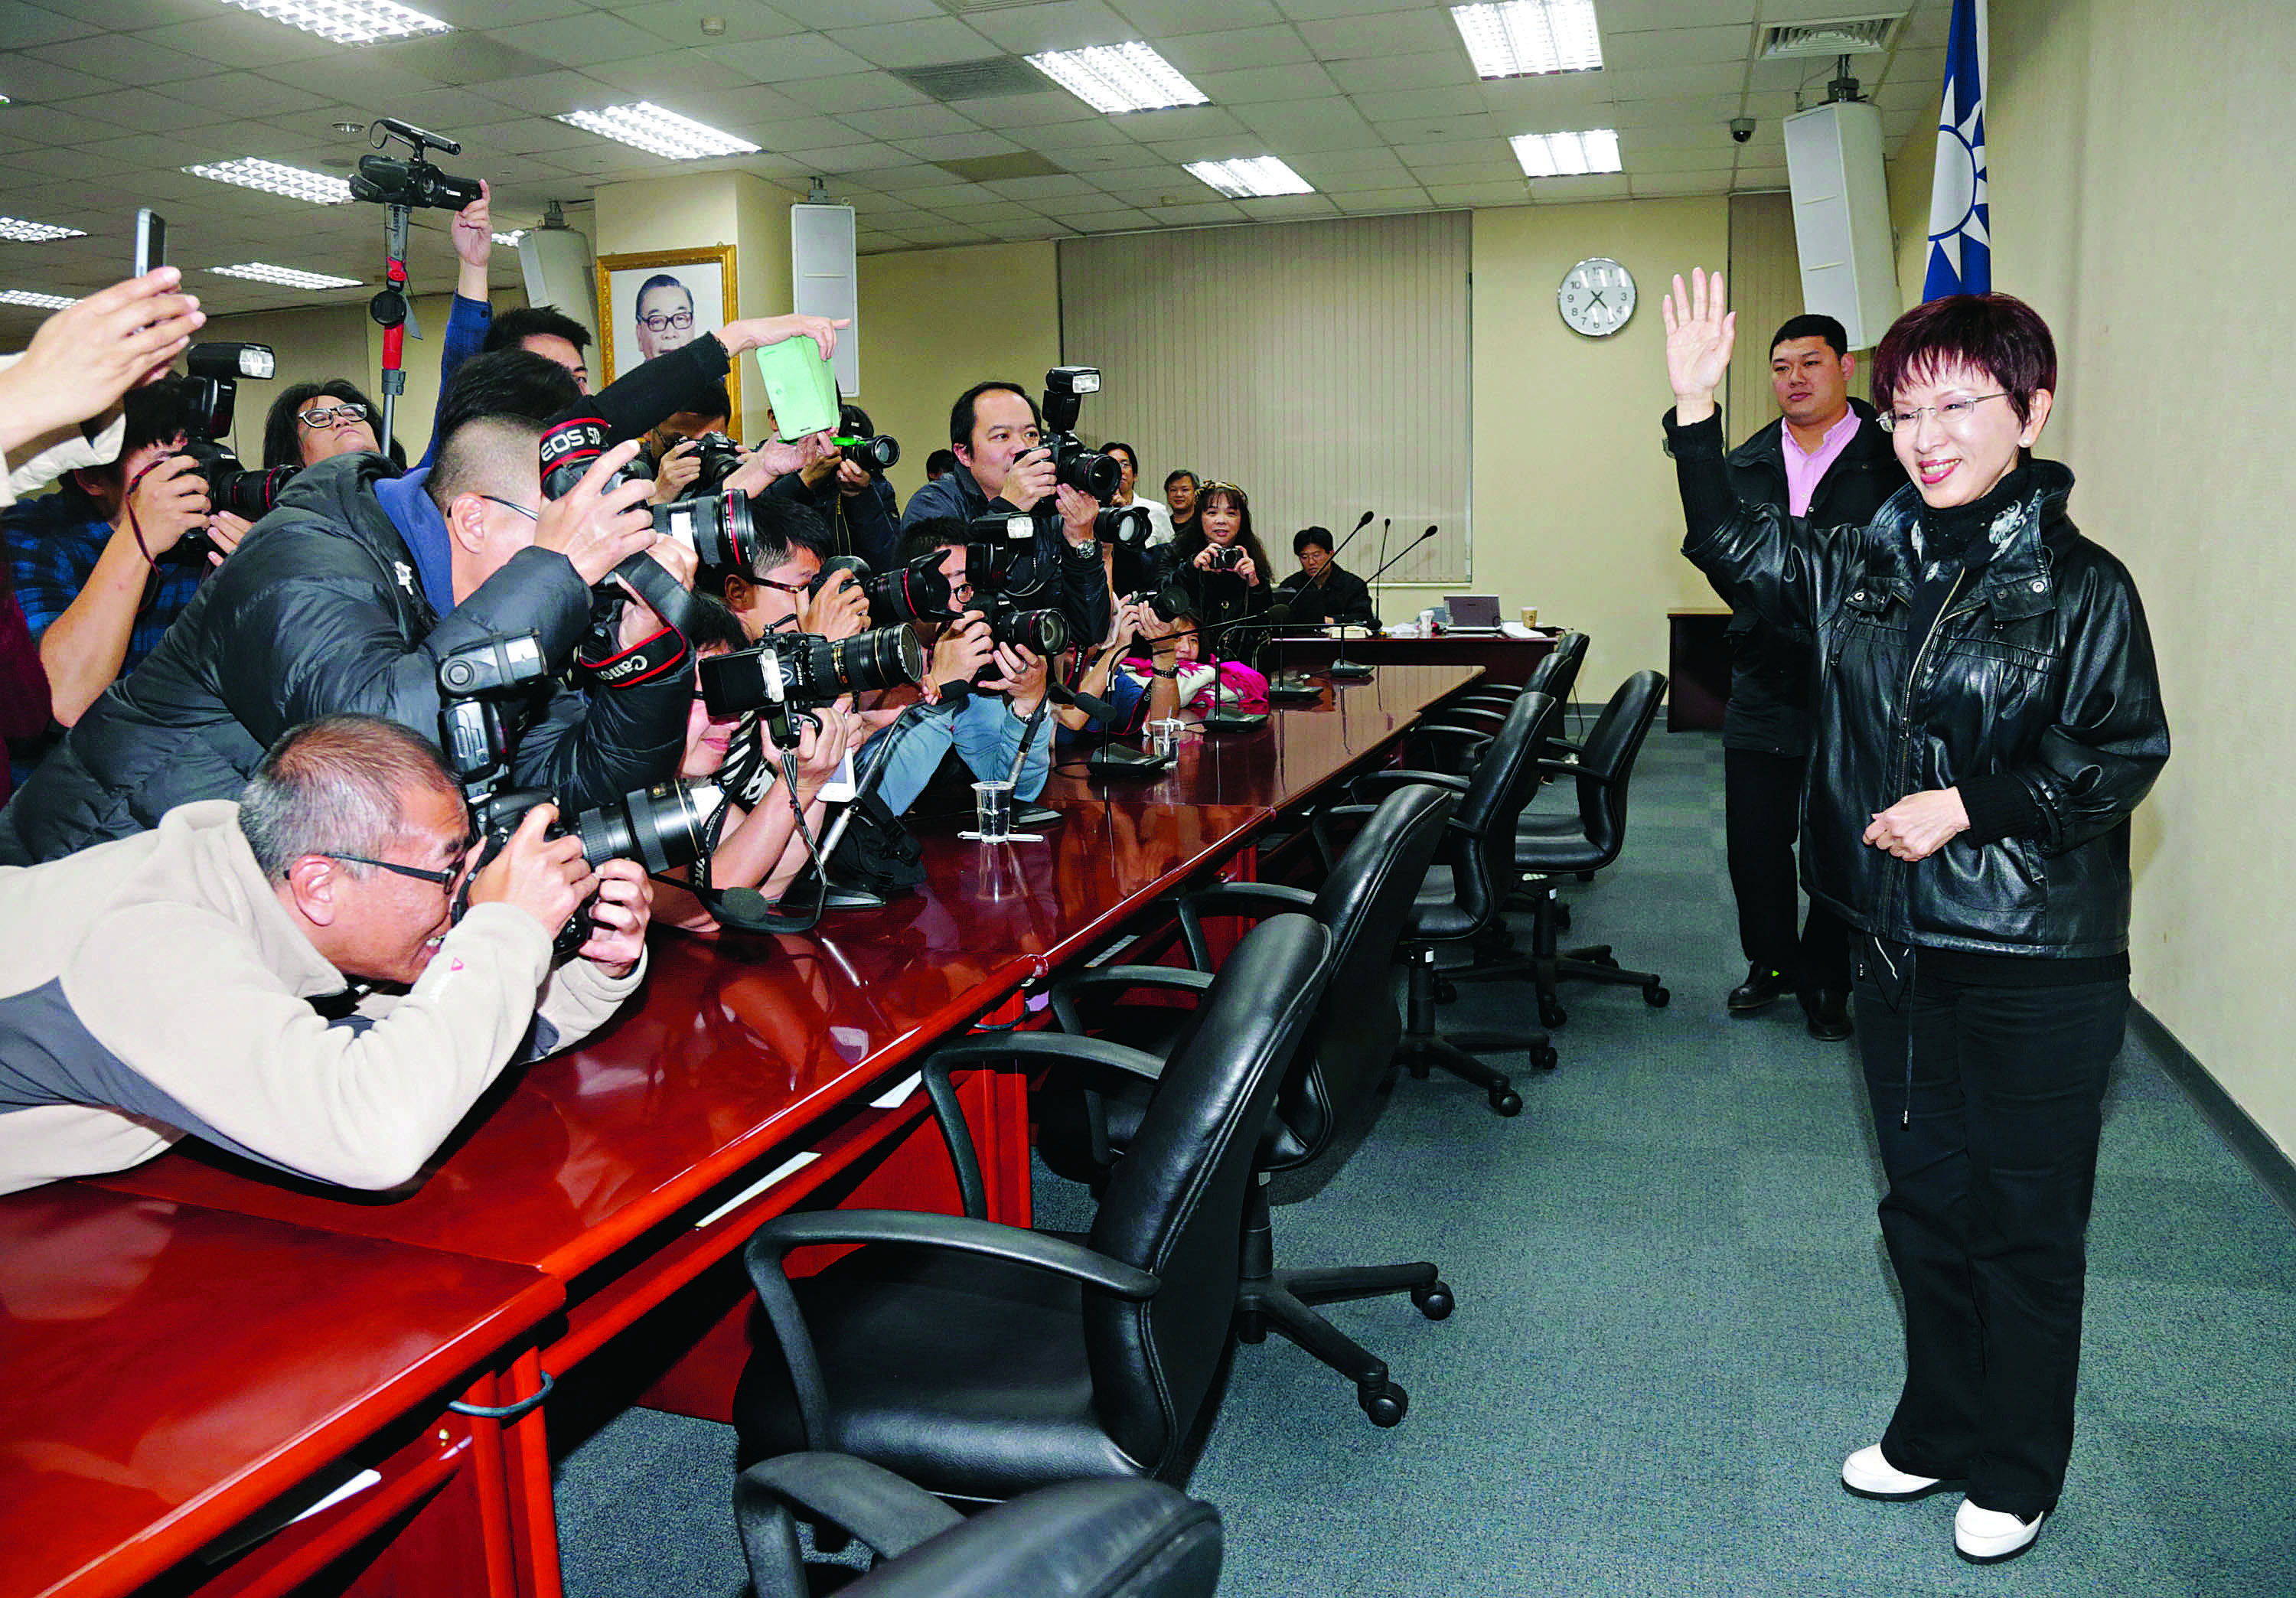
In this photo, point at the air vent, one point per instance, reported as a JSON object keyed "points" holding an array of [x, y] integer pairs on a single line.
{"points": [[1850, 36], [987, 79]]}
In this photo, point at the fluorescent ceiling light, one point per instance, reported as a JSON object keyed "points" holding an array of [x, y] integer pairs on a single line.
{"points": [[272, 179], [1566, 154], [286, 277], [659, 132], [1250, 177], [1119, 78], [46, 302], [510, 237], [1517, 39], [347, 21], [16, 230]]}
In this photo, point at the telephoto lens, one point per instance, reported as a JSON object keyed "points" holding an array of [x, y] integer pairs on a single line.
{"points": [[917, 591], [1045, 632], [872, 455], [661, 827], [804, 669], [716, 527], [1087, 470], [231, 485], [1126, 525]]}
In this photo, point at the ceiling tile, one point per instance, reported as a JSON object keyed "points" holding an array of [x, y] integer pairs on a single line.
{"points": [[1480, 125], [25, 26], [1156, 18], [1316, 11], [248, 95], [1724, 159], [976, 212], [117, 14], [908, 121], [1505, 169], [1568, 191], [957, 146], [1428, 71], [577, 41], [1677, 48], [1629, 16], [124, 58], [1662, 83], [1305, 81], [1385, 34], [80, 161], [851, 92], [29, 80], [348, 78], [1712, 111], [148, 112], [858, 156], [857, 14], [237, 39], [946, 232], [1516, 192], [1057, 116], [1124, 219], [780, 60], [1450, 151], [1542, 97], [679, 22], [1192, 212], [1410, 104], [1812, 10], [922, 43], [798, 132], [1288, 208], [1233, 49], [54, 129], [1375, 159], [1666, 185], [1373, 201], [1062, 25], [473, 15], [1187, 122], [669, 74], [908, 182]]}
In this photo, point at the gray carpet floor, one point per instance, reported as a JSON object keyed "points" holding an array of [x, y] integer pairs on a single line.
{"points": [[1674, 1320]]}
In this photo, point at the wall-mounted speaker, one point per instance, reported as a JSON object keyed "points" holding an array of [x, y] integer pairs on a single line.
{"points": [[1841, 218], [556, 264], [825, 280]]}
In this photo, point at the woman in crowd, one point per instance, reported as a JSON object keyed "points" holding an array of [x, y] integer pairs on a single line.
{"points": [[1988, 717], [1220, 565], [311, 421]]}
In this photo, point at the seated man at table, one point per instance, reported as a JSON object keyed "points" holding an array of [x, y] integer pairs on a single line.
{"points": [[1322, 591], [980, 697], [293, 977]]}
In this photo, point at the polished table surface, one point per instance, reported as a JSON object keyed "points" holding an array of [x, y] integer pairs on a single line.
{"points": [[168, 1368], [1503, 659]]}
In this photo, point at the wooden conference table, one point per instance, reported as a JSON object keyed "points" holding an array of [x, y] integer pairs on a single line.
{"points": [[1503, 659], [589, 1191]]}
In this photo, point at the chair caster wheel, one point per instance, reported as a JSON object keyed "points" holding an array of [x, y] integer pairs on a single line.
{"points": [[1607, 960], [1419, 1070], [1656, 997], [1546, 1059], [1386, 1405], [1562, 918], [1552, 1014], [1252, 1327], [1434, 1300], [1505, 1100], [1445, 992]]}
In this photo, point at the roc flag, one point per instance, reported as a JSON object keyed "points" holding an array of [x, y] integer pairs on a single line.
{"points": [[1961, 246]]}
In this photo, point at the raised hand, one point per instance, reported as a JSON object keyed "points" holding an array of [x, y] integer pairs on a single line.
{"points": [[1700, 332]]}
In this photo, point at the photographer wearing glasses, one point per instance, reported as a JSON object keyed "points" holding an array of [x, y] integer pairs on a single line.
{"points": [[168, 981], [997, 433], [310, 422]]}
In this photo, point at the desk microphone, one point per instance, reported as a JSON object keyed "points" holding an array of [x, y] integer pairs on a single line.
{"points": [[1221, 719], [1433, 528], [1342, 670]]}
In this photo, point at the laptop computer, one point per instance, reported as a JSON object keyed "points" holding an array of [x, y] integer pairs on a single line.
{"points": [[1473, 612]]}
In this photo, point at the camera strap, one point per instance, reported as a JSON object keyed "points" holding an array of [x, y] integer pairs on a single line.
{"points": [[662, 655]]}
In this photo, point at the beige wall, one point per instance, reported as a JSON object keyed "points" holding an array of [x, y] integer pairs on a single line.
{"points": [[2139, 163], [936, 322]]}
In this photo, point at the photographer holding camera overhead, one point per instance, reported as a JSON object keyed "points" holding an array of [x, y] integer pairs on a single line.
{"points": [[1003, 468], [165, 983], [365, 577]]}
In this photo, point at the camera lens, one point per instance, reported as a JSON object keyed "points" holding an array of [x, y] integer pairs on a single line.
{"points": [[879, 658], [716, 527], [917, 591], [249, 494], [873, 455], [661, 827], [1128, 526], [1045, 632], [1092, 473]]}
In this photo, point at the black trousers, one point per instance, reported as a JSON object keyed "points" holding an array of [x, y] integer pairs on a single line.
{"points": [[1991, 1156], [1762, 806]]}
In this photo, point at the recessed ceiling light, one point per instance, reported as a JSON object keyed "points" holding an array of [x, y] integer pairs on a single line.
{"points": [[1252, 177], [1566, 154], [18, 231], [347, 21], [659, 132], [1119, 78], [45, 302], [1516, 38], [286, 277], [350, 128], [510, 237], [272, 179]]}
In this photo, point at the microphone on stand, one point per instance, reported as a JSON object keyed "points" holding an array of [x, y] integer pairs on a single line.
{"points": [[1342, 670], [1355, 672], [1220, 718], [1292, 687]]}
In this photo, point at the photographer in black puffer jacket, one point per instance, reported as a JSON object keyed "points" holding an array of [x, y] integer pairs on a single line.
{"points": [[1987, 717]]}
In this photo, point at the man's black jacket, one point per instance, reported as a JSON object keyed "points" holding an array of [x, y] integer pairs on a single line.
{"points": [[319, 612], [1771, 682], [1340, 596], [1054, 574], [2034, 693]]}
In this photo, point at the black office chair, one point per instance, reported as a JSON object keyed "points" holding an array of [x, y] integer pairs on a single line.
{"points": [[1080, 1539], [983, 1360], [1482, 709], [1580, 842], [1086, 1119], [1466, 890]]}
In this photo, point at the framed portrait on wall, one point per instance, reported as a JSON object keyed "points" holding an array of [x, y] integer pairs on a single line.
{"points": [[652, 303]]}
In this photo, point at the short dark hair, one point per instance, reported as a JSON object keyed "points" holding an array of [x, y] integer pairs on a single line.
{"points": [[713, 401], [1311, 535], [939, 464], [853, 421], [509, 330], [331, 786], [961, 416], [659, 280], [1131, 455], [158, 412], [281, 445], [1173, 477], [783, 527], [1998, 334], [932, 533], [507, 382], [1812, 325], [487, 455], [711, 621]]}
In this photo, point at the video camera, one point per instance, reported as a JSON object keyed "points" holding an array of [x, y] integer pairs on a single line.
{"points": [[670, 824], [1087, 470], [381, 180], [786, 675], [211, 392]]}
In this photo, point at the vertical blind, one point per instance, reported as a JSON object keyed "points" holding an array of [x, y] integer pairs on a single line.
{"points": [[1322, 365]]}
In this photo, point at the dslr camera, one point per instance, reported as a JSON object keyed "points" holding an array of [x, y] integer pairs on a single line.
{"points": [[1086, 471], [1127, 527], [212, 389], [714, 524], [787, 675], [667, 825], [1226, 559], [720, 458]]}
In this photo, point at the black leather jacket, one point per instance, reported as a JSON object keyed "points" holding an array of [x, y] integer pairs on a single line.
{"points": [[2040, 673]]}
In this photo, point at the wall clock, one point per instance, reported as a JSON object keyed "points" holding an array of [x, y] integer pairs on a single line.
{"points": [[1596, 297]]}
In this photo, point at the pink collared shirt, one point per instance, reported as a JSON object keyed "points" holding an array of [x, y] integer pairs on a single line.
{"points": [[1804, 470]]}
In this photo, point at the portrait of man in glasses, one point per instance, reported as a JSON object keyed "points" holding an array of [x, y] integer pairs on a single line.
{"points": [[664, 316]]}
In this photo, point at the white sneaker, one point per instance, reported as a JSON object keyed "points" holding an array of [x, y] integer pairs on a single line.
{"points": [[1870, 1476], [1987, 1537]]}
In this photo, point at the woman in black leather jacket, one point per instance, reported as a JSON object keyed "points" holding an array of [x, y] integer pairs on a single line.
{"points": [[1987, 717]]}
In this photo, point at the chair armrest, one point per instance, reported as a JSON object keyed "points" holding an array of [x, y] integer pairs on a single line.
{"points": [[1496, 713], [1171, 978], [1571, 768], [890, 1513], [1378, 785], [762, 1257], [1251, 899], [1074, 1048]]}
